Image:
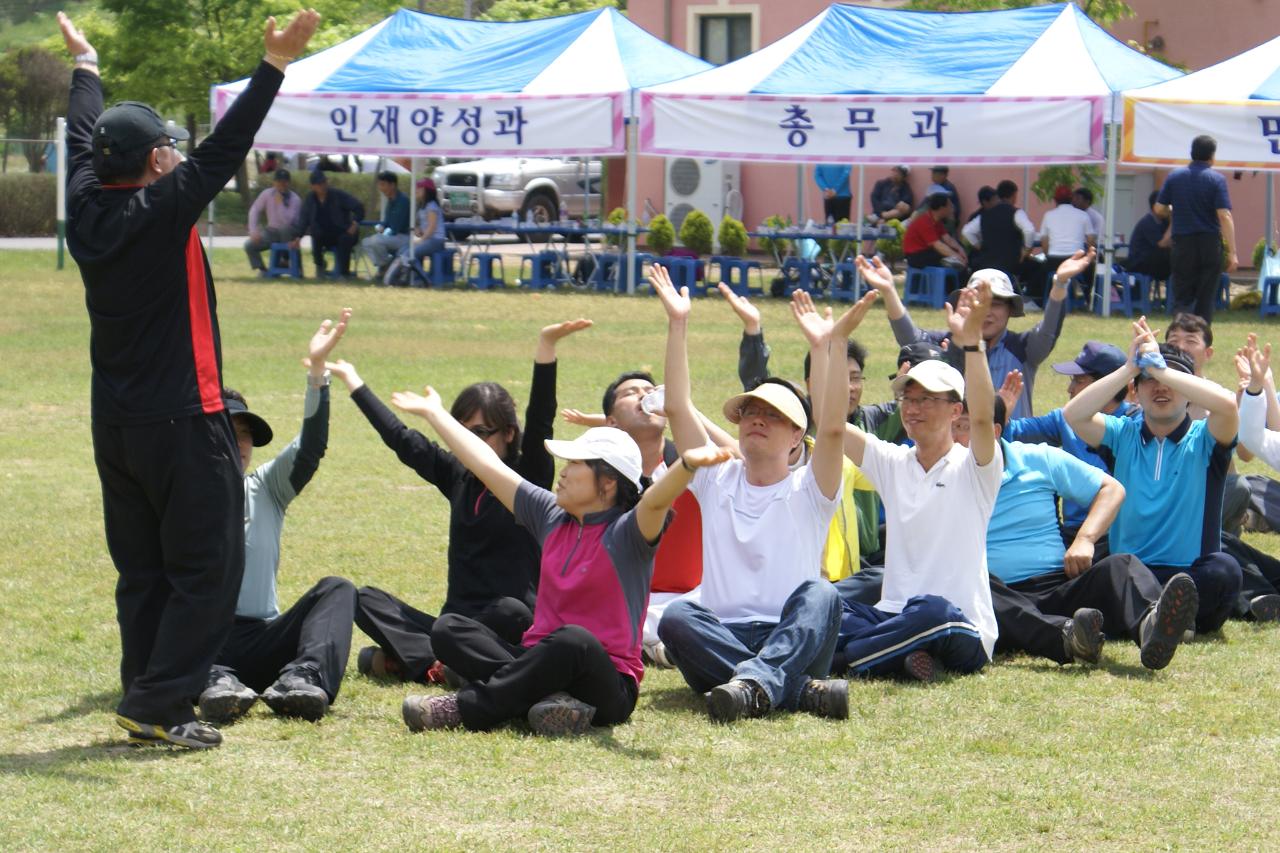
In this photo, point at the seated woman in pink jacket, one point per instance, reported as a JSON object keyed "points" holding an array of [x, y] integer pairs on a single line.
{"points": [[579, 664]]}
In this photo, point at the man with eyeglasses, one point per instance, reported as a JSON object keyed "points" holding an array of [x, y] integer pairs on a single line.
{"points": [[165, 448], [762, 637], [935, 608]]}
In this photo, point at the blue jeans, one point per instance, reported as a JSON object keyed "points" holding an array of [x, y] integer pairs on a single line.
{"points": [[780, 656], [875, 642]]}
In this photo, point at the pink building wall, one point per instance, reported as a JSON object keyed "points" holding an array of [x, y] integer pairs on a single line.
{"points": [[1194, 33]]}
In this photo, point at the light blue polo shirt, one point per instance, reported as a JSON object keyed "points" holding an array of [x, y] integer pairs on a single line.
{"points": [[1172, 511], [1023, 538]]}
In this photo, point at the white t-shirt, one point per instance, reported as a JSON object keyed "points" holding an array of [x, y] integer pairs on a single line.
{"points": [[1067, 227], [936, 528], [758, 542]]}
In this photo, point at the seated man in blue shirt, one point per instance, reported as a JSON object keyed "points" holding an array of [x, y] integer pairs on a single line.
{"points": [[1095, 361], [296, 658], [391, 233], [1150, 251], [1054, 600], [1172, 467]]}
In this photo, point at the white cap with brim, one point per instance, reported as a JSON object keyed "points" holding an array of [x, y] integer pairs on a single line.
{"points": [[778, 396], [608, 444], [936, 376], [1001, 288]]}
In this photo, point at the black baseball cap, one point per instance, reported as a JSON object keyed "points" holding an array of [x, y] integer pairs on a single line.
{"points": [[918, 351], [1095, 359], [282, 175], [130, 126], [1176, 359], [258, 428], [318, 177]]}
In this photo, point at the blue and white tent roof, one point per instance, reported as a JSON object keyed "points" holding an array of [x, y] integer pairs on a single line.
{"points": [[585, 53], [1253, 75], [1050, 50]]}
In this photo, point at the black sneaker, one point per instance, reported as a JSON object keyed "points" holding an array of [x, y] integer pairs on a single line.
{"points": [[225, 699], [921, 666], [1082, 636], [560, 714], [826, 698], [1163, 627], [192, 735], [738, 698], [1265, 608], [298, 693]]}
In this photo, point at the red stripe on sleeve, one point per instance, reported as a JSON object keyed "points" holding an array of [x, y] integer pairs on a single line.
{"points": [[206, 358]]}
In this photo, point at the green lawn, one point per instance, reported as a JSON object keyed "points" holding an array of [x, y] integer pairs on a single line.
{"points": [[1024, 755]]}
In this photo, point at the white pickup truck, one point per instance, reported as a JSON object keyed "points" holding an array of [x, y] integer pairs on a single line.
{"points": [[535, 189]]}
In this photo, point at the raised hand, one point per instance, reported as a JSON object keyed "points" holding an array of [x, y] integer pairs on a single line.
{"points": [[965, 320], [816, 327], [706, 456], [1144, 339], [327, 337], [851, 319], [346, 371], [556, 331], [874, 272], [1011, 389], [676, 302], [573, 416], [73, 38], [1243, 368], [747, 313], [418, 404], [1259, 363], [1076, 264], [289, 43]]}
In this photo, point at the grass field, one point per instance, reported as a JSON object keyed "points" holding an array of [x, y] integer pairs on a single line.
{"points": [[1024, 755]]}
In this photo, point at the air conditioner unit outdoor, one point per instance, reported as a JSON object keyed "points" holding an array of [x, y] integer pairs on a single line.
{"points": [[700, 185]]}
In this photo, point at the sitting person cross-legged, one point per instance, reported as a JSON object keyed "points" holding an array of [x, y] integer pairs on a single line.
{"points": [[579, 663], [296, 658], [763, 634], [1172, 467], [1061, 602]]}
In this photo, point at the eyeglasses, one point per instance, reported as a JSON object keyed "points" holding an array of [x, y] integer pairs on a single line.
{"points": [[482, 432], [749, 411], [926, 400], [855, 378]]}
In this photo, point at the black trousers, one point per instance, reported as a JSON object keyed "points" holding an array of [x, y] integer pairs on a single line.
{"points": [[173, 508], [1218, 580], [929, 257], [837, 208], [404, 632], [316, 630], [508, 679], [1158, 264], [1260, 573], [1196, 266], [1031, 613], [341, 243]]}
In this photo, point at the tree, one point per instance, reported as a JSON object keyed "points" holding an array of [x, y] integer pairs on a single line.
{"points": [[524, 10], [33, 90]]}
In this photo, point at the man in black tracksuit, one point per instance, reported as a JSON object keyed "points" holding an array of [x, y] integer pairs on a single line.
{"points": [[165, 449]]}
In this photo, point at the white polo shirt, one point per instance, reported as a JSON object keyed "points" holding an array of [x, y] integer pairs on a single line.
{"points": [[758, 542], [936, 528], [1067, 227]]}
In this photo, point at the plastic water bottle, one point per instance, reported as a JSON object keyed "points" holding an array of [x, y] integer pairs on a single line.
{"points": [[654, 403], [564, 212]]}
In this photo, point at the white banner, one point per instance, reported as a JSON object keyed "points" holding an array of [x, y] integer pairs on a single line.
{"points": [[857, 129], [1160, 132], [439, 125]]}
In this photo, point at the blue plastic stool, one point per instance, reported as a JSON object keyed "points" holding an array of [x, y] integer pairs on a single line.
{"points": [[928, 285], [484, 279], [604, 276], [638, 260], [544, 269], [283, 259], [684, 273], [1270, 296], [844, 282], [1121, 280], [442, 268], [806, 272], [736, 273]]}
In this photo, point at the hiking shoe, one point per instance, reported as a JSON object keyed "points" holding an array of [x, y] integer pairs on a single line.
{"points": [[655, 654], [375, 663], [1165, 624], [298, 693], [921, 666], [431, 712], [193, 735], [1082, 636], [1265, 608], [225, 698], [560, 714], [738, 698], [826, 698]]}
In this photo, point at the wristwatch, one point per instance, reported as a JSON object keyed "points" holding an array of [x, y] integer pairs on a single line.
{"points": [[90, 58], [980, 346], [321, 382]]}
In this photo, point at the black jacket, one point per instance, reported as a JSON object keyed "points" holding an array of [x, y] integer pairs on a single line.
{"points": [[330, 217], [154, 345]]}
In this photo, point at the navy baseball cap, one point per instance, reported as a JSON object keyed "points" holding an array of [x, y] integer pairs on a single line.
{"points": [[258, 428], [318, 177], [282, 175], [130, 126], [1095, 359], [916, 352]]}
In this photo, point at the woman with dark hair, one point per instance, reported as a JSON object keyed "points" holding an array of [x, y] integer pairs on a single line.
{"points": [[579, 663], [429, 235], [492, 563]]}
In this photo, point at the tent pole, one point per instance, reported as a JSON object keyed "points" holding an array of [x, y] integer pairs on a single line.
{"points": [[628, 262], [799, 193], [1271, 227], [61, 144], [1109, 225], [857, 249], [413, 206]]}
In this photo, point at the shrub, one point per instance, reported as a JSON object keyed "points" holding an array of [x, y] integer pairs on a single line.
{"points": [[1258, 249], [891, 247], [617, 217], [776, 245], [733, 238], [661, 236], [30, 205], [696, 232]]}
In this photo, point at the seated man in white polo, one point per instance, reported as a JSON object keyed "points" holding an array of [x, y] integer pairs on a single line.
{"points": [[935, 607]]}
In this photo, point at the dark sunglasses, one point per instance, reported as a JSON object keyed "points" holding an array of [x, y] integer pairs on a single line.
{"points": [[482, 432]]}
